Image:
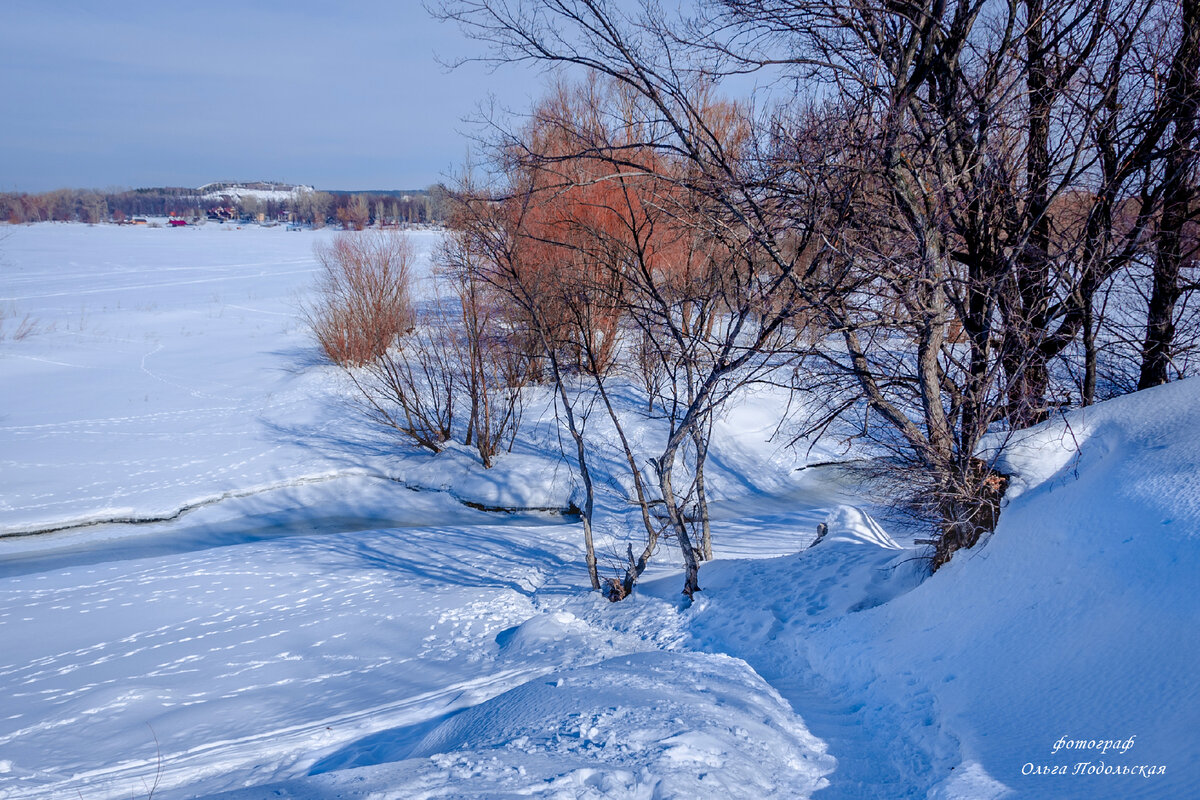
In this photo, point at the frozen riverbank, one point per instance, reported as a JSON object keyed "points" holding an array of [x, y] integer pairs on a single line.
{"points": [[312, 627]]}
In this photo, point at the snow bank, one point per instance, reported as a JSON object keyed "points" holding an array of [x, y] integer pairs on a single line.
{"points": [[520, 481], [647, 725], [1075, 623]]}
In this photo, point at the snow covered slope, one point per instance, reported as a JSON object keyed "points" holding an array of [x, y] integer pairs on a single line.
{"points": [[308, 613], [1078, 623], [312, 628], [260, 191]]}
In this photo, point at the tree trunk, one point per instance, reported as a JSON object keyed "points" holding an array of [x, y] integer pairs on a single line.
{"points": [[691, 560], [701, 432], [1090, 355], [1183, 99], [969, 510], [1026, 323], [700, 440], [585, 474]]}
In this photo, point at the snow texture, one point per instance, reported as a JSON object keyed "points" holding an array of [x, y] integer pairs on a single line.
{"points": [[251, 593]]}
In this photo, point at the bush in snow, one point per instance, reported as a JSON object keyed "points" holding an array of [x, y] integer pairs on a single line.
{"points": [[363, 298], [417, 373]]}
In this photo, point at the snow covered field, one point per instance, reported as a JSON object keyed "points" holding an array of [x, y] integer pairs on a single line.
{"points": [[289, 618]]}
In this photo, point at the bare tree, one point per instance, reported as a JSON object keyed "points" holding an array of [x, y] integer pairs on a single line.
{"points": [[942, 187], [1180, 202], [492, 371], [485, 225], [606, 233], [412, 387]]}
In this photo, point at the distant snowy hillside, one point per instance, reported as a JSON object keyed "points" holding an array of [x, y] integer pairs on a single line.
{"points": [[258, 190]]}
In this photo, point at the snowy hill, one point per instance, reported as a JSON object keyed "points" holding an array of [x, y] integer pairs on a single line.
{"points": [[318, 615], [260, 190]]}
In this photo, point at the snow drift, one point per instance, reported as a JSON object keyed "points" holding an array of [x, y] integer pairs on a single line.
{"points": [[1075, 623]]}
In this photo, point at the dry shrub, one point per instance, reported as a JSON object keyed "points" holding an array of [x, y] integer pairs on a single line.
{"points": [[363, 298], [492, 365], [25, 328], [418, 375], [412, 389]]}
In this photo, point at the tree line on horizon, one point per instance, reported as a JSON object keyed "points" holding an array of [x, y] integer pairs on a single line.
{"points": [[355, 210]]}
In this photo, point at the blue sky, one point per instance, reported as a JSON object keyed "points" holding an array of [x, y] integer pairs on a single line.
{"points": [[341, 95]]}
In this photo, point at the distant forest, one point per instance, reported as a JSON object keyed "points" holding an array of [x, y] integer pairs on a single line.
{"points": [[317, 208]]}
